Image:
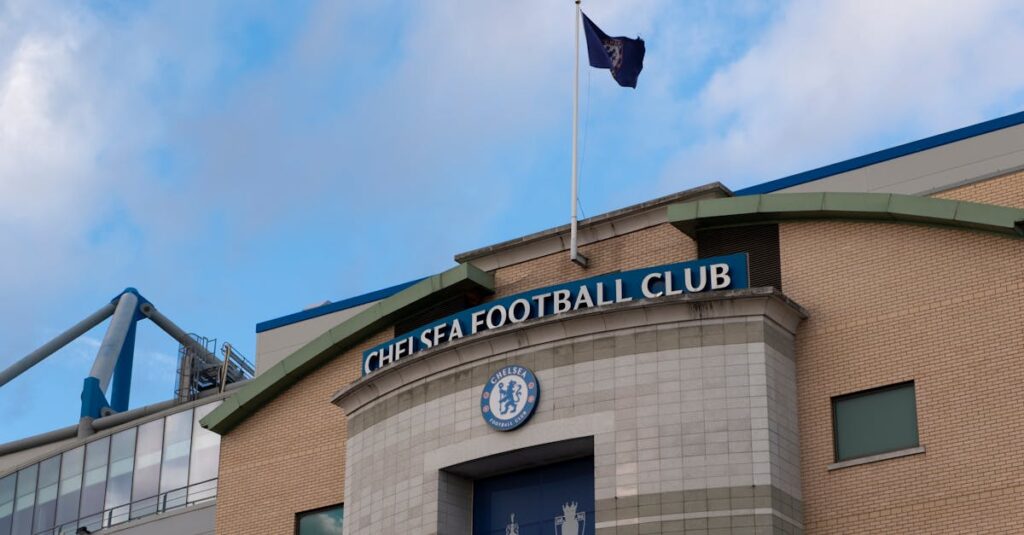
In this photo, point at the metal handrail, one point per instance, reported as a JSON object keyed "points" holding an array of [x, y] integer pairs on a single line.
{"points": [[163, 502]]}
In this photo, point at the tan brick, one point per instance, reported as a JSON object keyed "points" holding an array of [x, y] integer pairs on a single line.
{"points": [[1006, 190], [888, 303]]}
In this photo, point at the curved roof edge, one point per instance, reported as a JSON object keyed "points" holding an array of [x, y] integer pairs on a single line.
{"points": [[884, 155], [266, 386], [693, 216]]}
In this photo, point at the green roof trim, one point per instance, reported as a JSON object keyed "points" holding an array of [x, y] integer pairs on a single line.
{"points": [[327, 346], [692, 216]]}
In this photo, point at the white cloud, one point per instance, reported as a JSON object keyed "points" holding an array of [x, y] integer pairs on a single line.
{"points": [[50, 136], [400, 118], [831, 78]]}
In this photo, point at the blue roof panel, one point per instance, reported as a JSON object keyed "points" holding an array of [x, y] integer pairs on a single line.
{"points": [[332, 307]]}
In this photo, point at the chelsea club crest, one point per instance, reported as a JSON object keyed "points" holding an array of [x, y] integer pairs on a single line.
{"points": [[509, 397]]}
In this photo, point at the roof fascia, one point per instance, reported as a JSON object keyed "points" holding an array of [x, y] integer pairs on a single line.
{"points": [[322, 349], [889, 207]]}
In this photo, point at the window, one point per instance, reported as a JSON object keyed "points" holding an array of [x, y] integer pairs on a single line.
{"points": [[46, 493], [94, 483], [326, 521], [119, 480], [874, 421], [6, 503], [146, 479], [160, 465], [70, 485], [202, 472], [25, 500], [174, 469]]}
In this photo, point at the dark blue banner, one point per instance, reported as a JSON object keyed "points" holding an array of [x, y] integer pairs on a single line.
{"points": [[704, 275]]}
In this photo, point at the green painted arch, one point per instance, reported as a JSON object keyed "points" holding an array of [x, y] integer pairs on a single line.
{"points": [[322, 349], [691, 217]]}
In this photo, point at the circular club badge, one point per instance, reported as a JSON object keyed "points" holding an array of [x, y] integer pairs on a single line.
{"points": [[509, 397]]}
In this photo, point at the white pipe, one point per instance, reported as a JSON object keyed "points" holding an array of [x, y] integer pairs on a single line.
{"points": [[56, 344], [168, 326], [113, 340]]}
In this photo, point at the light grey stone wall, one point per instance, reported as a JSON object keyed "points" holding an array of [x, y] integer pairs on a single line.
{"points": [[940, 168], [690, 403]]}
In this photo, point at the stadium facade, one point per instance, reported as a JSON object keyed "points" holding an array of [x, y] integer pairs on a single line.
{"points": [[838, 351]]}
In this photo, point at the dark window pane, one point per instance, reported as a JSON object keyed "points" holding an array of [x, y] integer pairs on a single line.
{"points": [[7, 503], [323, 522], [202, 473], [119, 480], [25, 500], [174, 470], [146, 482], [95, 479], [46, 493], [875, 421], [70, 485]]}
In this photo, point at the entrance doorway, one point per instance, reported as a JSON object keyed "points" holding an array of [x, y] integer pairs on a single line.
{"points": [[556, 499]]}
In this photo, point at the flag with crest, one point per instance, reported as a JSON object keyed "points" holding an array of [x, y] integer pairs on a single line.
{"points": [[623, 56]]}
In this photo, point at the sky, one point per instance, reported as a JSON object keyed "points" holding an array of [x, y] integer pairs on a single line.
{"points": [[239, 162]]}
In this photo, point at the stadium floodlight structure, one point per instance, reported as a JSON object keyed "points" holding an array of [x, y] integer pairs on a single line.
{"points": [[112, 369]]}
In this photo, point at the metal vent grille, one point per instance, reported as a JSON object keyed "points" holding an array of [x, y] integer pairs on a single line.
{"points": [[760, 242], [444, 308]]}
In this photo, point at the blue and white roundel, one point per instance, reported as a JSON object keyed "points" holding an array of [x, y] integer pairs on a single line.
{"points": [[509, 397]]}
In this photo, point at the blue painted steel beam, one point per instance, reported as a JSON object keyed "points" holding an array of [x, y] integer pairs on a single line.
{"points": [[121, 385]]}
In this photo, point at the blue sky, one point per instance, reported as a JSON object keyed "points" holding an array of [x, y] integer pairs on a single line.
{"points": [[239, 162]]}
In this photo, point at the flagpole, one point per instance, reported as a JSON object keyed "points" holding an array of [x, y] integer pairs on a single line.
{"points": [[574, 253]]}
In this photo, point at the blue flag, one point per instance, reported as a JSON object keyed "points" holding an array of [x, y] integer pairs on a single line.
{"points": [[621, 55]]}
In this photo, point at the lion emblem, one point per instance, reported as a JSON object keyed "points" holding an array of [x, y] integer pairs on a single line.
{"points": [[511, 392]]}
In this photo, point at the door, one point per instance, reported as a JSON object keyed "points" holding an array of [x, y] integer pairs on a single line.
{"points": [[557, 499]]}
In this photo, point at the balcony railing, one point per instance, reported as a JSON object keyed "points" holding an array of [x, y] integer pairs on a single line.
{"points": [[195, 494]]}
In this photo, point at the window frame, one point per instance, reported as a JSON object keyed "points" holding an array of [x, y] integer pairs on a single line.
{"points": [[834, 400], [300, 514]]}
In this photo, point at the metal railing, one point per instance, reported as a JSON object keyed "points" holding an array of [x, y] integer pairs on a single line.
{"points": [[197, 373], [194, 494]]}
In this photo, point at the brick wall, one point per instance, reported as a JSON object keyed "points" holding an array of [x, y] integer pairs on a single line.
{"points": [[888, 303], [1007, 190], [290, 456], [943, 307], [662, 244]]}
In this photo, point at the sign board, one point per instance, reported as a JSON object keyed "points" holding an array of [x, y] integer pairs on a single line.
{"points": [[704, 275]]}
